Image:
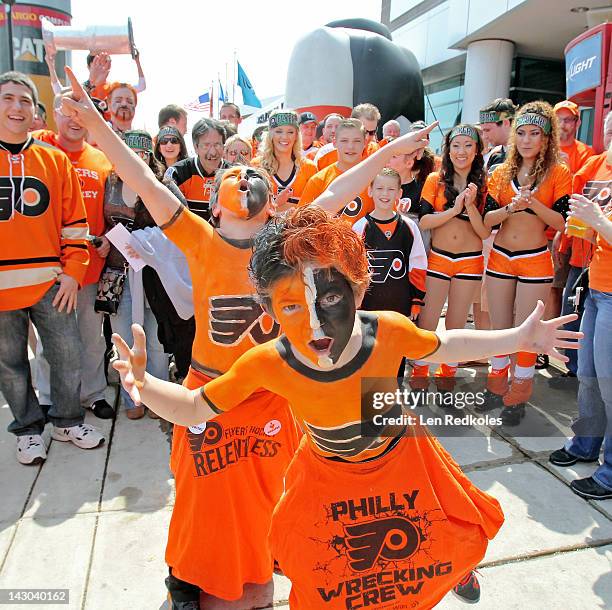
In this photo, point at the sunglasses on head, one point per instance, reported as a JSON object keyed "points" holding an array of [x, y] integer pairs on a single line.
{"points": [[170, 140]]}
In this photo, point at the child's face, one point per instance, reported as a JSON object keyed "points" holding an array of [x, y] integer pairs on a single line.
{"points": [[385, 192], [316, 311]]}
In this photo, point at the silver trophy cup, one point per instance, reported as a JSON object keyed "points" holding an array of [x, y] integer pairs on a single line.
{"points": [[111, 39]]}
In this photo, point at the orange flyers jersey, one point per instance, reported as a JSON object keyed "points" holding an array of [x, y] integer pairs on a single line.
{"points": [[352, 211], [578, 154], [594, 181], [553, 191], [195, 184], [296, 181], [328, 403], [92, 168], [229, 320], [43, 226]]}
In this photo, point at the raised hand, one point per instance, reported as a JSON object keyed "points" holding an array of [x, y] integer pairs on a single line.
{"points": [[470, 193], [132, 363], [547, 336], [76, 103], [414, 141], [281, 201], [586, 210], [99, 69]]}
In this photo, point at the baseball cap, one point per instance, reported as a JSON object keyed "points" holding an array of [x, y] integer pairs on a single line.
{"points": [[573, 108], [307, 117]]}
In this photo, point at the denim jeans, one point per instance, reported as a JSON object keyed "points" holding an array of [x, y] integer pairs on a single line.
{"points": [[567, 308], [93, 348], [594, 424], [157, 360], [60, 338]]}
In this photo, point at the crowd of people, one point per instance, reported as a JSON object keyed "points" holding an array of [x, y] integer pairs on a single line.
{"points": [[279, 270]]}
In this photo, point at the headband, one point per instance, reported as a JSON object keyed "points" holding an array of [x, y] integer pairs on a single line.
{"points": [[493, 116], [531, 118], [138, 140], [464, 130], [283, 118]]}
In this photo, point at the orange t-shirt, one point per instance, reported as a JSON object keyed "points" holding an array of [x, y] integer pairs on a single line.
{"points": [[353, 211], [296, 181], [92, 168], [578, 154], [330, 413], [228, 476], [229, 320]]}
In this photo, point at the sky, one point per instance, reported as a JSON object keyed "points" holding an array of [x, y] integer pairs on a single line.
{"points": [[184, 44]]}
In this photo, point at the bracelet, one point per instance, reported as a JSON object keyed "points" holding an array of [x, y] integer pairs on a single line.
{"points": [[508, 210]]}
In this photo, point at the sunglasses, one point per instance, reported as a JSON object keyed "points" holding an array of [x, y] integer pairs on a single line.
{"points": [[171, 140], [370, 132]]}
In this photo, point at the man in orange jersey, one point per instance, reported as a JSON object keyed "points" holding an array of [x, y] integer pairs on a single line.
{"points": [[195, 176], [350, 142], [43, 260], [92, 168], [326, 154]]}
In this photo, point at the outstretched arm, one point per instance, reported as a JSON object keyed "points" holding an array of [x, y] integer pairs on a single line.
{"points": [[533, 335], [160, 202], [173, 402], [348, 185]]}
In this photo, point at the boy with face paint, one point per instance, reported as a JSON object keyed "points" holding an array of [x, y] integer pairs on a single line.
{"points": [[353, 526], [228, 475]]}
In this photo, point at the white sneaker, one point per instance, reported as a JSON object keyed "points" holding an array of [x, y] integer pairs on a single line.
{"points": [[83, 436], [31, 449]]}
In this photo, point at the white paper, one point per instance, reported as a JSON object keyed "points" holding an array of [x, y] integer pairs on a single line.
{"points": [[120, 237]]}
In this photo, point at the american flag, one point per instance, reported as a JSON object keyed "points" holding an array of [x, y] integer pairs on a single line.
{"points": [[200, 104]]}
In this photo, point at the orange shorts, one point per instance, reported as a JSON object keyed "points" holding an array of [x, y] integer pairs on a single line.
{"points": [[528, 266], [374, 534], [229, 477], [461, 265]]}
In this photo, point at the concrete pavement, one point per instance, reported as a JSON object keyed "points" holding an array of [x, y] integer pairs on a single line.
{"points": [[95, 522]]}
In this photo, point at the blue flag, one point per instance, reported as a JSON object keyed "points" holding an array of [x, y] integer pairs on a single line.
{"points": [[222, 97], [248, 93]]}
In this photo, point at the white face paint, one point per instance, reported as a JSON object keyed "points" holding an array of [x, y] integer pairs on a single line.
{"points": [[310, 294]]}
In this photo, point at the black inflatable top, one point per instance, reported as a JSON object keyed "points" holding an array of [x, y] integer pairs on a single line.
{"points": [[362, 24]]}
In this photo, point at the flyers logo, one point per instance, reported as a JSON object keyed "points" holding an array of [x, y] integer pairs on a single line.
{"points": [[231, 318], [353, 208], [212, 434], [599, 191], [27, 196], [386, 263], [392, 539]]}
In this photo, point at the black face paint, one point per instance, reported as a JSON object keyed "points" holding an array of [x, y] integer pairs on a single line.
{"points": [[335, 308], [258, 192]]}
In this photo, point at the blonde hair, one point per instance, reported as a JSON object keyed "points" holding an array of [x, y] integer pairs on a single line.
{"points": [[238, 138], [366, 111], [267, 157], [549, 151]]}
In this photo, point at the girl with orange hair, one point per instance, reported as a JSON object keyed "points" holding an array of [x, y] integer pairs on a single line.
{"points": [[526, 194], [353, 526]]}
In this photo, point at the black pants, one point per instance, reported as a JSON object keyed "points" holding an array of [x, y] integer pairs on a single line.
{"points": [[180, 590]]}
